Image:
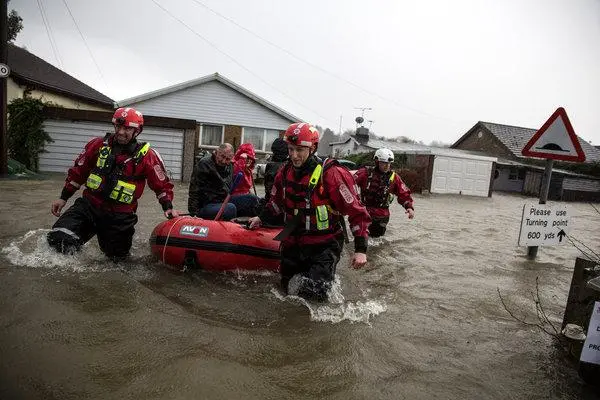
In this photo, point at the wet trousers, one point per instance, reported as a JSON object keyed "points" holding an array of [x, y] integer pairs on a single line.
{"points": [[82, 221], [378, 226], [241, 205], [309, 270]]}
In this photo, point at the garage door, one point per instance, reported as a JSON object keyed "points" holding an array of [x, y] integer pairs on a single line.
{"points": [[70, 138], [461, 176]]}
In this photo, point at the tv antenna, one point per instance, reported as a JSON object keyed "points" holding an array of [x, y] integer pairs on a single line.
{"points": [[362, 115]]}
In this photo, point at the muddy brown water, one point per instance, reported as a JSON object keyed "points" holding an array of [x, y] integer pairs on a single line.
{"points": [[422, 321]]}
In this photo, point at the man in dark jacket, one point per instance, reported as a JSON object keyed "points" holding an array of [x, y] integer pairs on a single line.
{"points": [[280, 156], [211, 182]]}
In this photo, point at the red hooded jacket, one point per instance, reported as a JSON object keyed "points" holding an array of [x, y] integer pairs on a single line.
{"points": [[148, 168], [239, 165]]}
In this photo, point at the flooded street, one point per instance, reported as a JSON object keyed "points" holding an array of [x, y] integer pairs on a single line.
{"points": [[422, 321]]}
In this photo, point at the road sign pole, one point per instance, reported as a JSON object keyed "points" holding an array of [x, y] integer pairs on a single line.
{"points": [[3, 89], [532, 250]]}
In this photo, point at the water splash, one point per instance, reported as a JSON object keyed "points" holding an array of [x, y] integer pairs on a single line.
{"points": [[32, 250], [338, 309], [376, 242]]}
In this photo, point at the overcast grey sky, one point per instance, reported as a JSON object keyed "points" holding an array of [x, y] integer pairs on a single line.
{"points": [[428, 69]]}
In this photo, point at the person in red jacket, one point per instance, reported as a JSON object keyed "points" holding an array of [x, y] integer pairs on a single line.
{"points": [[114, 170], [243, 161], [313, 195], [378, 185]]}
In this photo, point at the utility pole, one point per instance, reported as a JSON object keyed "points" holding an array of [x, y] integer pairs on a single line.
{"points": [[3, 87], [340, 125]]}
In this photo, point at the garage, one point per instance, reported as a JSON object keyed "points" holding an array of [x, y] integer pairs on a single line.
{"points": [[462, 174], [71, 136]]}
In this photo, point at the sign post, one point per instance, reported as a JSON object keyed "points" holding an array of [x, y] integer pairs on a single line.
{"points": [[555, 140]]}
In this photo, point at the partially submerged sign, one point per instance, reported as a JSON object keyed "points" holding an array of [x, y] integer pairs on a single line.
{"points": [[544, 225]]}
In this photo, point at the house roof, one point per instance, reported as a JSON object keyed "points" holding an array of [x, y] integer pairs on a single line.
{"points": [[515, 138], [209, 78], [416, 148], [34, 71]]}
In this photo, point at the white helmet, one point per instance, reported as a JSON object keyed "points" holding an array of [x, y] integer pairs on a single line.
{"points": [[384, 155]]}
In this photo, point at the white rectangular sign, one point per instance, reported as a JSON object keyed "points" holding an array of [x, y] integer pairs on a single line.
{"points": [[591, 348], [544, 225]]}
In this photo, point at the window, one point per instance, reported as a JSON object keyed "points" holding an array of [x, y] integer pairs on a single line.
{"points": [[211, 135], [256, 136], [260, 138], [517, 174], [270, 136]]}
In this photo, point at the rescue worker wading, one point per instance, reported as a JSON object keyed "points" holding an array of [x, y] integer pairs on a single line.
{"points": [[378, 185], [114, 170], [313, 195]]}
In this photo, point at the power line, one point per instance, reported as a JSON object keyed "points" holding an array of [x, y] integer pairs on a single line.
{"points": [[86, 45], [323, 70], [214, 46], [50, 35]]}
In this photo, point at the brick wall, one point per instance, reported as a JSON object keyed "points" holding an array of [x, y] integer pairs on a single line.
{"points": [[487, 144], [233, 135], [190, 141]]}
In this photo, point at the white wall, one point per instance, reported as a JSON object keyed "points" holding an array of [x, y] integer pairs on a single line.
{"points": [[215, 103]]}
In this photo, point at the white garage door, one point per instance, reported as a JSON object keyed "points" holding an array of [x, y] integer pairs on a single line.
{"points": [[461, 176], [70, 138]]}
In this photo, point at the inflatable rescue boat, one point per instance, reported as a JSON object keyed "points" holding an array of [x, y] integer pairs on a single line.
{"points": [[190, 242]]}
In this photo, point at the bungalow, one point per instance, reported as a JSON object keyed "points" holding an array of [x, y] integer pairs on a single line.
{"points": [[516, 173]]}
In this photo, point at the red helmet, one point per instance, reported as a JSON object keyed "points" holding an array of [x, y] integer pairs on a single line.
{"points": [[129, 117], [302, 134]]}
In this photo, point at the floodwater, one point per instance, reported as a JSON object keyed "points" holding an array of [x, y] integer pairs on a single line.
{"points": [[422, 321]]}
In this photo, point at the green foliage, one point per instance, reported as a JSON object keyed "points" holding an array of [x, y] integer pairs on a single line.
{"points": [[26, 137], [15, 24]]}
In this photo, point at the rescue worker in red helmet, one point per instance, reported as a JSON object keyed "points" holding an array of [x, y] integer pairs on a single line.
{"points": [[378, 185], [114, 170], [313, 195]]}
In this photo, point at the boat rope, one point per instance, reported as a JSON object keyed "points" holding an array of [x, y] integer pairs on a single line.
{"points": [[167, 238]]}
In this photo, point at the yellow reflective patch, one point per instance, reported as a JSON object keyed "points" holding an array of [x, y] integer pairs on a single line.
{"points": [[314, 178], [143, 151], [322, 218], [103, 156], [123, 192], [93, 181]]}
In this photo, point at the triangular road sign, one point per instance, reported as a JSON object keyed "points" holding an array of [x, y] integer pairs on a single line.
{"points": [[556, 140]]}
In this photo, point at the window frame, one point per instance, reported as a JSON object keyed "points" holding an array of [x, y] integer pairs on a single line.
{"points": [[210, 146], [264, 137]]}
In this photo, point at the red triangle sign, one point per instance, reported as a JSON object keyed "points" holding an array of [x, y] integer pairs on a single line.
{"points": [[556, 140]]}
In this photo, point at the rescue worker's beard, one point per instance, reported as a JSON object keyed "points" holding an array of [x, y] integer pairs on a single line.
{"points": [[124, 148], [308, 166]]}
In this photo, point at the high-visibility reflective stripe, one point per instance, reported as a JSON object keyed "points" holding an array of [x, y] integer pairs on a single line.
{"points": [[67, 231], [75, 184]]}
